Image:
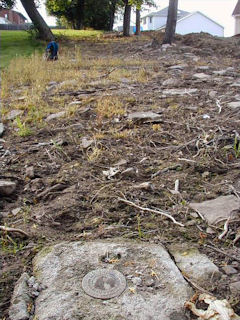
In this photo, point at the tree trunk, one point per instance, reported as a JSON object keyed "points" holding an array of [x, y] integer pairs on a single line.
{"points": [[80, 14], [171, 22], [138, 31], [112, 14], [126, 19], [45, 32]]}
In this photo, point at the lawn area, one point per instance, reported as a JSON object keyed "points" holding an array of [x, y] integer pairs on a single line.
{"points": [[77, 34], [17, 43]]}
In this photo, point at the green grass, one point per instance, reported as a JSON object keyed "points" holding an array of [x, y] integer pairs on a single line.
{"points": [[17, 43], [77, 34]]}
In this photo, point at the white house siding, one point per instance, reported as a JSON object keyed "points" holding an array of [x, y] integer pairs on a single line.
{"points": [[198, 23], [157, 22], [237, 24]]}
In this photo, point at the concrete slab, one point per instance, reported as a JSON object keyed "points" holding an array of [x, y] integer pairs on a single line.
{"points": [[155, 287]]}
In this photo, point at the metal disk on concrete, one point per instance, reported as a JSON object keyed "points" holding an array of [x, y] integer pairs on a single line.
{"points": [[104, 284]]}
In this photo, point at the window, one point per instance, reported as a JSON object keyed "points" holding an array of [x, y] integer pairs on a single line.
{"points": [[150, 19], [144, 20], [6, 15]]}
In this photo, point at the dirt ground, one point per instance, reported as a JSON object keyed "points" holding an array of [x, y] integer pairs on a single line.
{"points": [[68, 195]]}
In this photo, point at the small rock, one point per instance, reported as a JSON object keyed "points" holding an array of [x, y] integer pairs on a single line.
{"points": [[212, 94], [16, 211], [234, 105], [30, 172], [14, 114], [86, 142], [203, 68], [220, 72], [220, 208], [235, 84], [201, 76], [195, 265], [178, 67], [120, 163], [235, 288], [229, 270], [205, 174], [130, 172], [73, 103], [148, 115], [1, 129], [170, 82], [190, 223], [210, 231], [180, 92], [55, 115], [194, 214], [7, 187], [20, 300], [145, 186], [137, 281]]}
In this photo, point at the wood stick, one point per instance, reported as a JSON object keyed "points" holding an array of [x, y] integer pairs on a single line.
{"points": [[222, 252], [7, 229], [225, 229], [151, 210]]}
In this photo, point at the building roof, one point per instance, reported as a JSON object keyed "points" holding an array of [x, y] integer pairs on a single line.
{"points": [[189, 15], [236, 11], [164, 13], [20, 14]]}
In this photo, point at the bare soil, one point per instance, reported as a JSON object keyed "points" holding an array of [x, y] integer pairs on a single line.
{"points": [[70, 198]]}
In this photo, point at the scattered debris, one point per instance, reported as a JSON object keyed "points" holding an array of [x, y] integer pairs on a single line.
{"points": [[217, 309]]}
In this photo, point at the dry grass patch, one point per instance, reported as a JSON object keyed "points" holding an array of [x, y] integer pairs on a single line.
{"points": [[109, 106]]}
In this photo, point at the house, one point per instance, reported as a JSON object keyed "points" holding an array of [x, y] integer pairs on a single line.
{"points": [[236, 15], [13, 16], [187, 22], [4, 21]]}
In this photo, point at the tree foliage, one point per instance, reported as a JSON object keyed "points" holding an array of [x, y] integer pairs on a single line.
{"points": [[97, 14], [6, 4]]}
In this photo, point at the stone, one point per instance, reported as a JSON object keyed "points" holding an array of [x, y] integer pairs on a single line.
{"points": [[179, 92], [229, 270], [60, 270], [220, 72], [170, 82], [74, 103], [178, 67], [234, 104], [56, 115], [30, 172], [86, 143], [217, 209], [20, 300], [1, 129], [235, 288], [201, 76], [16, 211], [14, 114], [121, 162], [235, 84], [210, 231], [203, 68], [7, 187], [144, 116], [212, 94], [194, 264]]}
